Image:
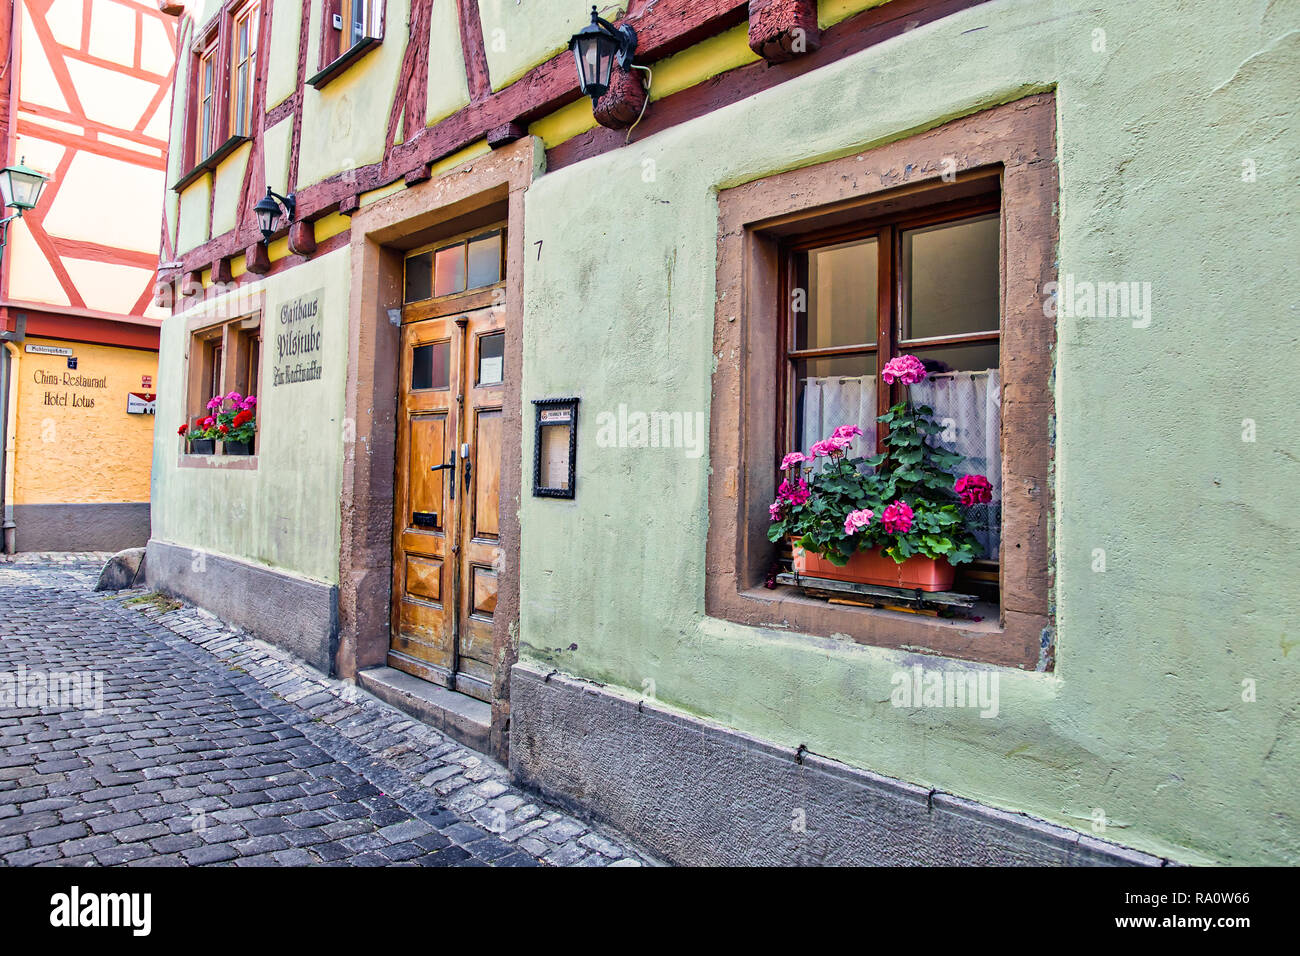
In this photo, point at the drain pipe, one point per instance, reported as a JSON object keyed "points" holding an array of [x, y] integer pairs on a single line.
{"points": [[11, 341]]}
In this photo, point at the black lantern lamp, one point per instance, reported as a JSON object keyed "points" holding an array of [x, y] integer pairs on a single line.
{"points": [[596, 48], [21, 186], [268, 210]]}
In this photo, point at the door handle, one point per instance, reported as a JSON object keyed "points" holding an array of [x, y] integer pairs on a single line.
{"points": [[450, 466], [469, 470]]}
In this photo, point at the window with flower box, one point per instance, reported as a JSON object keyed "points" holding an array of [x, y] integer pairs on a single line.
{"points": [[937, 246], [923, 283], [224, 361]]}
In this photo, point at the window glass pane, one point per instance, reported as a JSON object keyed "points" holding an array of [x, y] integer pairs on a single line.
{"points": [[950, 278], [839, 285], [358, 20], [429, 367], [491, 358], [241, 101], [831, 392], [976, 357], [484, 261], [419, 277], [449, 270]]}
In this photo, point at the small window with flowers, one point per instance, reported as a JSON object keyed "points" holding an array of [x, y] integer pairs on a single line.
{"points": [[889, 410], [224, 377], [880, 435]]}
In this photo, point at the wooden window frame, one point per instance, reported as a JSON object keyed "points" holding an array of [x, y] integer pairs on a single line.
{"points": [[1013, 144], [239, 342], [337, 51], [456, 301], [979, 577], [209, 72], [242, 115]]}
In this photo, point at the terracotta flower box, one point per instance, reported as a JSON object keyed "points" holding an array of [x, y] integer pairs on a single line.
{"points": [[871, 567]]}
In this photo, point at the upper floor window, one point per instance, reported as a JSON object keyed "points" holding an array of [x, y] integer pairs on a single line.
{"points": [[243, 69], [207, 119], [350, 28]]}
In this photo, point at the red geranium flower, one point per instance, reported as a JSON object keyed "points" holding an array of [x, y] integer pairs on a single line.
{"points": [[183, 429], [224, 429], [243, 418]]}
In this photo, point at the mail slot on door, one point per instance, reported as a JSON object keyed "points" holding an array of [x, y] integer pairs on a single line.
{"points": [[425, 519]]}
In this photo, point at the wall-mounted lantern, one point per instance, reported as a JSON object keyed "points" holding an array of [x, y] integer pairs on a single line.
{"points": [[269, 209], [596, 48], [21, 186]]}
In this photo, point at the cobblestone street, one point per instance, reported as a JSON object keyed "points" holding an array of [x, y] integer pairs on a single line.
{"points": [[213, 748]]}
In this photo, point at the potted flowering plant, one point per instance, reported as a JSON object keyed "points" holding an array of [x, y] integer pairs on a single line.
{"points": [[200, 435], [231, 420], [896, 519], [236, 422]]}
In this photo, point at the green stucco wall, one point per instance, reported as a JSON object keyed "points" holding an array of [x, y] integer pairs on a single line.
{"points": [[285, 514], [1143, 718]]}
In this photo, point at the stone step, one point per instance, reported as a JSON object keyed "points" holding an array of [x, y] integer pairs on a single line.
{"points": [[460, 717]]}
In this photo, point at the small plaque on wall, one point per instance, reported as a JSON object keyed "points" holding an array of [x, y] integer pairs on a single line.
{"points": [[555, 447]]}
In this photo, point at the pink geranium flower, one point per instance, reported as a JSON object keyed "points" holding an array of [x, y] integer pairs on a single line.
{"points": [[857, 520], [792, 459], [793, 494], [847, 432], [897, 518], [215, 403], [907, 369], [974, 490], [234, 397], [774, 509], [831, 447]]}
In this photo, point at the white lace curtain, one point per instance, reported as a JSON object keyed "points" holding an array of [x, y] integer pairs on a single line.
{"points": [[967, 404], [969, 407], [833, 401]]}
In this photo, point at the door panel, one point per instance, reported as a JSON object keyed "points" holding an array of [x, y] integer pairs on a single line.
{"points": [[447, 559], [423, 613], [487, 474]]}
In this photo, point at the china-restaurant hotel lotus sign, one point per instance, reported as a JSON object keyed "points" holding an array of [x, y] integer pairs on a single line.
{"points": [[951, 570]]}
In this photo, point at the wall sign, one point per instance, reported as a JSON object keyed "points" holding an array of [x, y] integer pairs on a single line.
{"points": [[298, 341], [141, 403], [46, 350], [555, 448]]}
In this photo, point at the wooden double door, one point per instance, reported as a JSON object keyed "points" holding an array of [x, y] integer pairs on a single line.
{"points": [[446, 547]]}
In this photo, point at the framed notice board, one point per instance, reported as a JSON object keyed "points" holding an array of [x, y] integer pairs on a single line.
{"points": [[555, 447]]}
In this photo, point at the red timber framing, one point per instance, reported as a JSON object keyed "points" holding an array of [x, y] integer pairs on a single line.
{"points": [[78, 133], [664, 27]]}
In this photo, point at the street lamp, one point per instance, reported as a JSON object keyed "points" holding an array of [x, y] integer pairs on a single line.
{"points": [[268, 210], [595, 48], [21, 186]]}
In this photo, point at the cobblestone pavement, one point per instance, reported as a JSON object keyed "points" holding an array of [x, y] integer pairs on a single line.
{"points": [[214, 748]]}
